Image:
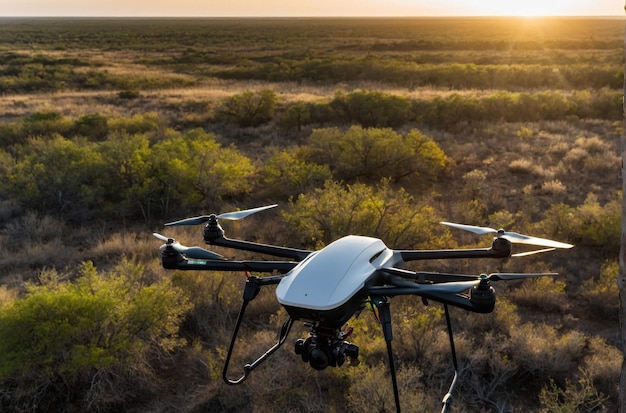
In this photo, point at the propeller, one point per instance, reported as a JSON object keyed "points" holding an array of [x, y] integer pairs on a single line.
{"points": [[513, 237], [442, 279], [460, 286], [233, 216], [190, 252]]}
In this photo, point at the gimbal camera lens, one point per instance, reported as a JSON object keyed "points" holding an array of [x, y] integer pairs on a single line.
{"points": [[321, 354]]}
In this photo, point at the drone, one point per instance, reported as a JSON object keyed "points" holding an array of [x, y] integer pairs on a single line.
{"points": [[325, 288]]}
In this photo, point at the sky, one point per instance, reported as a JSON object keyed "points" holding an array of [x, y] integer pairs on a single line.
{"points": [[323, 8]]}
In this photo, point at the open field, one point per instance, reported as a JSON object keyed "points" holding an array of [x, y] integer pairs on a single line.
{"points": [[110, 127]]}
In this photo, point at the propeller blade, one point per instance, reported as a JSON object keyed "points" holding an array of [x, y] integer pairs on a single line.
{"points": [[190, 221], [541, 242], [513, 237], [449, 287], [163, 238], [242, 214], [454, 279], [233, 216], [523, 254], [196, 253], [471, 228], [199, 253], [518, 276]]}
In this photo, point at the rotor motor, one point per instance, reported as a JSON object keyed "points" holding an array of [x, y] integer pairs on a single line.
{"points": [[483, 296]]}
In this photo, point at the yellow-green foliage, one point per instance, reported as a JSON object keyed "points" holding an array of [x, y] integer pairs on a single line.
{"points": [[589, 224], [71, 333], [249, 108], [375, 153], [573, 397], [287, 174], [325, 214], [601, 292]]}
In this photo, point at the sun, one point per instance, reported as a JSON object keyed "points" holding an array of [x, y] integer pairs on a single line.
{"points": [[526, 8]]}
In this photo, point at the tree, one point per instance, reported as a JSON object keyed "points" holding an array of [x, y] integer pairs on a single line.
{"points": [[57, 175], [325, 214], [93, 126], [376, 153], [195, 169], [249, 108], [128, 179], [287, 174]]}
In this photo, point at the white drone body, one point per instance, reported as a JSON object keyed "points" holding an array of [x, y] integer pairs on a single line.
{"points": [[330, 284]]}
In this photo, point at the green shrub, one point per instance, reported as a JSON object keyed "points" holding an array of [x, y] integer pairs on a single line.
{"points": [[325, 214], [249, 108], [60, 344], [92, 126], [590, 223], [45, 124], [601, 293], [286, 174], [580, 396], [295, 116], [372, 109], [376, 153], [56, 175], [128, 94]]}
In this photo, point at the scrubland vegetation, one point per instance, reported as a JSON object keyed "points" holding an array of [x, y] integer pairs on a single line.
{"points": [[382, 127]]}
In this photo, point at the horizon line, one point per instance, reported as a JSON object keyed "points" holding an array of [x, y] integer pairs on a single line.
{"points": [[322, 16]]}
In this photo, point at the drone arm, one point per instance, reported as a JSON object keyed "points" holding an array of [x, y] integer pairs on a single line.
{"points": [[175, 261], [456, 300], [500, 248], [417, 255], [274, 250]]}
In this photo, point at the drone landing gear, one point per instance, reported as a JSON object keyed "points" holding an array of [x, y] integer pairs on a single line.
{"points": [[252, 288], [383, 314]]}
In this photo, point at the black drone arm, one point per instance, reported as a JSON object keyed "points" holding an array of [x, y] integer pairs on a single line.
{"points": [[501, 248], [173, 260], [481, 303], [273, 250]]}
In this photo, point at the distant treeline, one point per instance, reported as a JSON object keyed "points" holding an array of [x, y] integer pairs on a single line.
{"points": [[41, 73], [414, 74]]}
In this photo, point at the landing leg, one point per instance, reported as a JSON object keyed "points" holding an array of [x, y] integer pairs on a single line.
{"points": [[384, 316], [447, 399]]}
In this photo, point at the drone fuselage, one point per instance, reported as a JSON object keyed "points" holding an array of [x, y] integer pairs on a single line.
{"points": [[330, 285]]}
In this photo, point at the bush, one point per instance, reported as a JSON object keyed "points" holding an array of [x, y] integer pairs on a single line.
{"points": [[56, 176], [589, 224], [128, 94], [325, 214], [45, 124], [92, 126], [61, 343], [372, 109], [249, 108], [601, 293], [285, 174], [377, 153], [295, 116]]}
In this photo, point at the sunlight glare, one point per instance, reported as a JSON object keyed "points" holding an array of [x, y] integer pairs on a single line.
{"points": [[528, 8]]}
